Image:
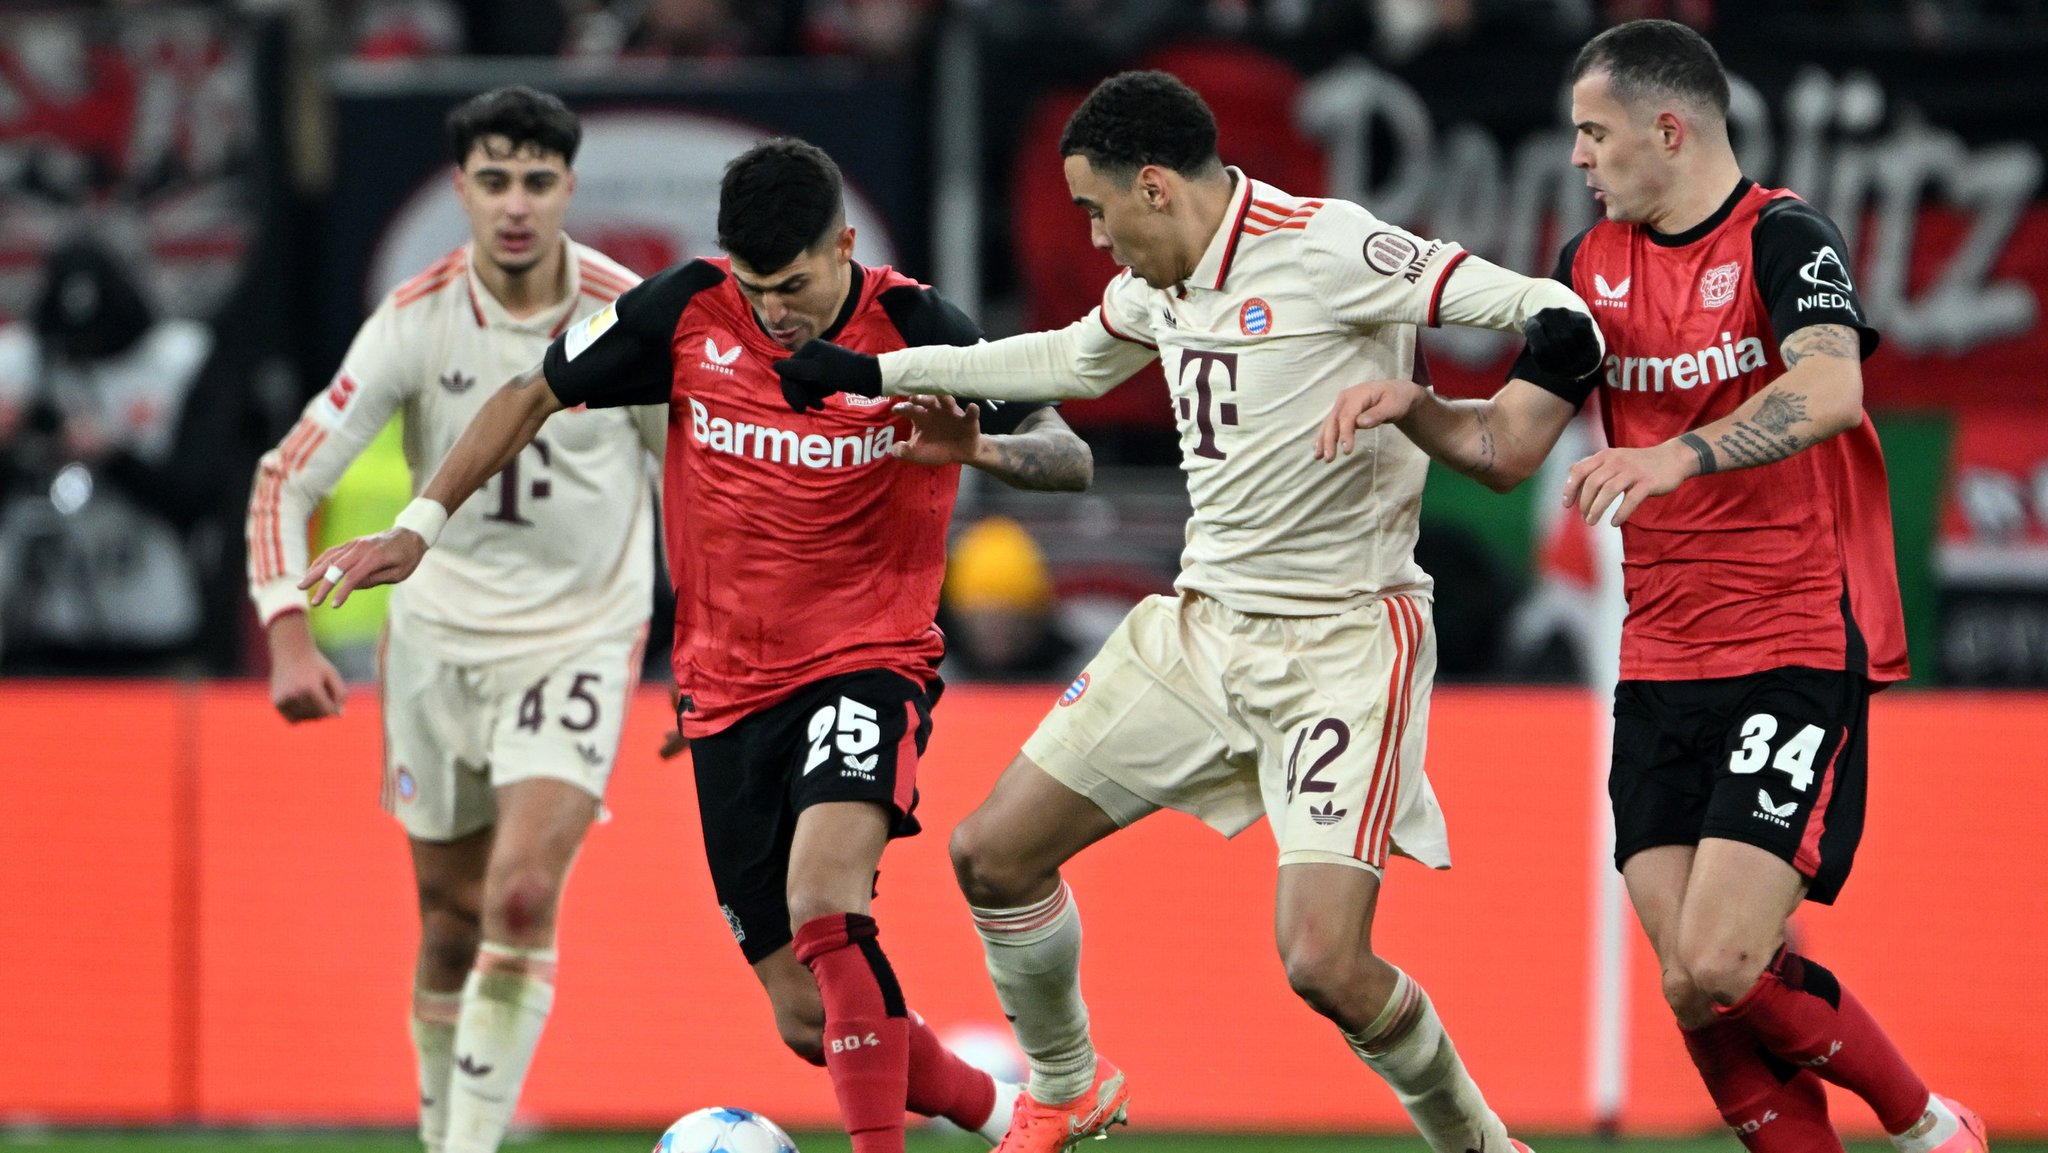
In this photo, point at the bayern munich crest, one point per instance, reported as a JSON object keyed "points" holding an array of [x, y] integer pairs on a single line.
{"points": [[407, 789], [1718, 284], [1255, 317], [1074, 690]]}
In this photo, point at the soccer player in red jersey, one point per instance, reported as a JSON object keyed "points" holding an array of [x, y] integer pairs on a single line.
{"points": [[1763, 603], [807, 551]]}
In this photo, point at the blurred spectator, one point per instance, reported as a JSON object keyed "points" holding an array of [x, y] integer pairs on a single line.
{"points": [[672, 29], [998, 609], [112, 474], [881, 31], [404, 29]]}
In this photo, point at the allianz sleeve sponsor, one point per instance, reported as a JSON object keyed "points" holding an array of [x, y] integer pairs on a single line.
{"points": [[787, 446], [1710, 365]]}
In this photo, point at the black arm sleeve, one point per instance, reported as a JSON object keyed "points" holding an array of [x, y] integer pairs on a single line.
{"points": [[1564, 387], [1802, 271], [924, 317], [621, 355]]}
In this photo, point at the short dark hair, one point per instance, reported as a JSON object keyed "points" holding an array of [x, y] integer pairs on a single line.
{"points": [[525, 116], [1645, 58], [778, 200], [1134, 119]]}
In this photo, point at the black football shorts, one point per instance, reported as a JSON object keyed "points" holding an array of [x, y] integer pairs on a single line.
{"points": [[855, 737], [1774, 759]]}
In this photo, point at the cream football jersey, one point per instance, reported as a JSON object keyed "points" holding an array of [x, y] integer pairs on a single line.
{"points": [[554, 550], [1294, 300]]}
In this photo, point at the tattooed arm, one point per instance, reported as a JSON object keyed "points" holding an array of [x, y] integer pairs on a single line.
{"points": [[1042, 455], [1499, 442], [1819, 396]]}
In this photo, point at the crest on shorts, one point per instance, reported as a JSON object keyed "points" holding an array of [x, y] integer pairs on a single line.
{"points": [[1255, 317], [1074, 691], [407, 787], [1718, 284]]}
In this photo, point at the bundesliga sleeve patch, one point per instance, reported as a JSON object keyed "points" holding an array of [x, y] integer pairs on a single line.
{"points": [[581, 336]]}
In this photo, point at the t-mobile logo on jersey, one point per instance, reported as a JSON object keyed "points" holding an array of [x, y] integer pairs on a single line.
{"points": [[786, 446]]}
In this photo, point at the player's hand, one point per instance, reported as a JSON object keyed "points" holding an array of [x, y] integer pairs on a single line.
{"points": [[821, 368], [675, 742], [304, 684], [365, 562], [1368, 405], [1626, 477], [941, 432], [1564, 341]]}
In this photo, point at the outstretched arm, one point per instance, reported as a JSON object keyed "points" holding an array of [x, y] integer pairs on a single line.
{"points": [[1819, 396], [1042, 455], [1083, 359], [1499, 442], [503, 427]]}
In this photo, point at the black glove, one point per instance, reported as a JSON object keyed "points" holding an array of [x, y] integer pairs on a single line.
{"points": [[1563, 341], [821, 368]]}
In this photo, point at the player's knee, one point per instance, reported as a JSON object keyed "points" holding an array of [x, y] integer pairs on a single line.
{"points": [[1687, 1002], [523, 899], [1722, 974], [1326, 977], [990, 878]]}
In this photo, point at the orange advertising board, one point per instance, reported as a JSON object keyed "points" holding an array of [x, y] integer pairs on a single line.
{"points": [[214, 896]]}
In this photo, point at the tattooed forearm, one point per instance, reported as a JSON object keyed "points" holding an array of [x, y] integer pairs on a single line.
{"points": [[1747, 445], [1488, 452], [1819, 340], [1048, 460], [1780, 410]]}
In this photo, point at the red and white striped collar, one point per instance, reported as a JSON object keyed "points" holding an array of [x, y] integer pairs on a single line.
{"points": [[1214, 266]]}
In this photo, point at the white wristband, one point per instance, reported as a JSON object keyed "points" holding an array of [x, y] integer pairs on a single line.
{"points": [[425, 517]]}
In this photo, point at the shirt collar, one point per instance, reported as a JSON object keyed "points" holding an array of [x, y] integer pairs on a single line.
{"points": [[489, 313], [1214, 266]]}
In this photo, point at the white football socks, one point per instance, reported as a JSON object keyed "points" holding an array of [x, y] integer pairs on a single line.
{"points": [[1937, 1124], [998, 1123], [1034, 957], [433, 1043], [1407, 1046], [505, 1003]]}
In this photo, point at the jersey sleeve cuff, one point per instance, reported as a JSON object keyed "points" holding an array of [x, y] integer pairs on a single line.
{"points": [[276, 597]]}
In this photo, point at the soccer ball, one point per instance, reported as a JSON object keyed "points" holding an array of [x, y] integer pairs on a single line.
{"points": [[722, 1130]]}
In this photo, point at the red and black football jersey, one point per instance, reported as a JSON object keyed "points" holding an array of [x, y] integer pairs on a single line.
{"points": [[800, 549], [1787, 564]]}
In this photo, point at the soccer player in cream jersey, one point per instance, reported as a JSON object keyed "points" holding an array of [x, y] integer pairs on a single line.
{"points": [[508, 662], [1290, 676]]}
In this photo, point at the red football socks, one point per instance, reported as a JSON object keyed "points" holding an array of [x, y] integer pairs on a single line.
{"points": [[1772, 1106], [1801, 1013], [942, 1085], [867, 1042]]}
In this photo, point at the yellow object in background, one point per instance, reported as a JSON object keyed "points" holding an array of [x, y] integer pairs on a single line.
{"points": [[996, 565], [365, 500]]}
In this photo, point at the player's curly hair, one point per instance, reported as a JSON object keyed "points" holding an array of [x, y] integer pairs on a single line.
{"points": [[1646, 58], [1134, 119], [525, 116], [778, 200]]}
